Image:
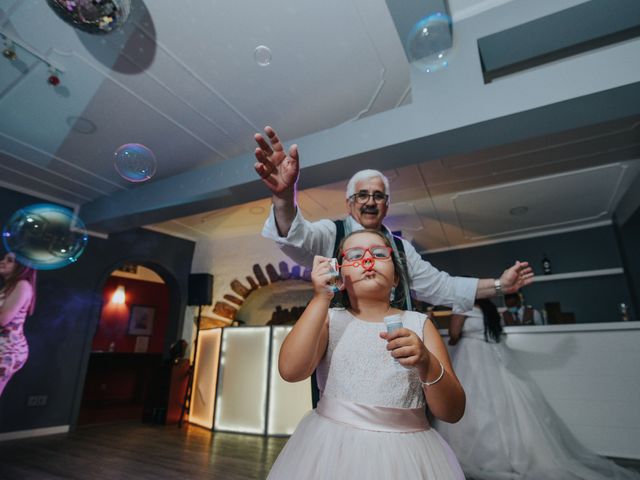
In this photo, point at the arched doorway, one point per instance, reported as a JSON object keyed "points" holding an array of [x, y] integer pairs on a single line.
{"points": [[126, 370], [272, 297]]}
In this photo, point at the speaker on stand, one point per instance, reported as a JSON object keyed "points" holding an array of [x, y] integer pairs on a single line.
{"points": [[200, 292]]}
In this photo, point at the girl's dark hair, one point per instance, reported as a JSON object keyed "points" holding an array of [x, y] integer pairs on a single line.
{"points": [[341, 299], [21, 272], [492, 320]]}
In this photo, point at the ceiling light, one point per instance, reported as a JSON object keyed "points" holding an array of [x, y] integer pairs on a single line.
{"points": [[9, 52], [519, 211], [53, 79], [81, 125]]}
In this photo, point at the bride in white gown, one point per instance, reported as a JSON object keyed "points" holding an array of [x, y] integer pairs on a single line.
{"points": [[509, 431]]}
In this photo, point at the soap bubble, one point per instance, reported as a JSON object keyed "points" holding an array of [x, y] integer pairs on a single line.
{"points": [[262, 55], [45, 236], [135, 162], [430, 43]]}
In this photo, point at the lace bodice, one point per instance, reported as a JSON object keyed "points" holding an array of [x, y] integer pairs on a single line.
{"points": [[357, 366]]}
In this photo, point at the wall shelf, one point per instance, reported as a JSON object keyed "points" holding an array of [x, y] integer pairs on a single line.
{"points": [[584, 274]]}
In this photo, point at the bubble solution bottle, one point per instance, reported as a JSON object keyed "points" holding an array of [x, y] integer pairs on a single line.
{"points": [[394, 322]]}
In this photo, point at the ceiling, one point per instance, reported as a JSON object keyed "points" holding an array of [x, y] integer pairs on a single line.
{"points": [[554, 183], [184, 82]]}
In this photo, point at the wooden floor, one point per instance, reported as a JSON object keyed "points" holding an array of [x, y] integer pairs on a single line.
{"points": [[141, 451]]}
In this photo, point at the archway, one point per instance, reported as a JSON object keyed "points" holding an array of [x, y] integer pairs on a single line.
{"points": [[256, 303], [138, 320]]}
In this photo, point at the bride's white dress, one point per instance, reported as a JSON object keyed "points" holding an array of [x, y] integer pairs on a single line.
{"points": [[509, 431], [370, 422]]}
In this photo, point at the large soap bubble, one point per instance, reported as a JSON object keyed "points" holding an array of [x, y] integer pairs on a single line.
{"points": [[135, 162], [430, 43], [45, 236]]}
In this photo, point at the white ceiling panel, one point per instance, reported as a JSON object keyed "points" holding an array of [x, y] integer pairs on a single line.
{"points": [[568, 199]]}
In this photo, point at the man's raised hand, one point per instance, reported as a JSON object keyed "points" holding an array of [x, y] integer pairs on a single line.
{"points": [[279, 171]]}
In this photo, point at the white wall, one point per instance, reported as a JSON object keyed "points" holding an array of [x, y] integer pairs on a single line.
{"points": [[230, 257]]}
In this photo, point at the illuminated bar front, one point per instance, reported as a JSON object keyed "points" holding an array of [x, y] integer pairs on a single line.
{"points": [[251, 397], [241, 398], [203, 396], [288, 402]]}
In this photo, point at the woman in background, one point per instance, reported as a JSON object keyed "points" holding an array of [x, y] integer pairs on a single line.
{"points": [[17, 300], [509, 431]]}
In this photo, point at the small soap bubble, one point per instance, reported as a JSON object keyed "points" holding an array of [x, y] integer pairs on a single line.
{"points": [[262, 55], [135, 162], [45, 236], [430, 43]]}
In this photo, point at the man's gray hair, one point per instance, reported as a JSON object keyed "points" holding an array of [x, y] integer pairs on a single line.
{"points": [[366, 175]]}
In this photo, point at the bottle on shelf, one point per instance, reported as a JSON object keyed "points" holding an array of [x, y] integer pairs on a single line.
{"points": [[546, 264], [624, 312]]}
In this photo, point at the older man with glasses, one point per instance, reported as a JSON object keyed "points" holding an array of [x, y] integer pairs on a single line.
{"points": [[367, 202]]}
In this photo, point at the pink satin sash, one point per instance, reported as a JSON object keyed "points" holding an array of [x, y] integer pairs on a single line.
{"points": [[370, 417]]}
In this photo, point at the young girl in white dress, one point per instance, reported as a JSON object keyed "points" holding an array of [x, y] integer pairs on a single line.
{"points": [[370, 421], [509, 431]]}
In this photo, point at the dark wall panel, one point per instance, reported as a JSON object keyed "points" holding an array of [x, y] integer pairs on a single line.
{"points": [[67, 311], [593, 299]]}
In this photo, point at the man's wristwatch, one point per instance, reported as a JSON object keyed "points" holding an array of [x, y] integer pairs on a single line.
{"points": [[498, 286]]}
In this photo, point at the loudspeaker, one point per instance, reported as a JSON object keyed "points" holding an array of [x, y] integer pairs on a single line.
{"points": [[200, 289]]}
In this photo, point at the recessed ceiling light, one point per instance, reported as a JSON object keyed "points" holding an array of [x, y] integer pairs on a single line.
{"points": [[257, 210], [519, 211], [82, 125]]}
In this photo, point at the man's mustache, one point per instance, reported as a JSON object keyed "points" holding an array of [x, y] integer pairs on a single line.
{"points": [[369, 210]]}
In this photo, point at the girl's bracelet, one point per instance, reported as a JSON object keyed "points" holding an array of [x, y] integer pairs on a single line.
{"points": [[427, 384]]}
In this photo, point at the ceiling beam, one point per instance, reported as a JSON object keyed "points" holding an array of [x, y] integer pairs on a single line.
{"points": [[335, 154]]}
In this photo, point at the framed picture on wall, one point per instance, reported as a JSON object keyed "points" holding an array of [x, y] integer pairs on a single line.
{"points": [[141, 320]]}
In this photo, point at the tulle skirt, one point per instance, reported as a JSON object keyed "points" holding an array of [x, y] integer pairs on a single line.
{"points": [[509, 431], [321, 448]]}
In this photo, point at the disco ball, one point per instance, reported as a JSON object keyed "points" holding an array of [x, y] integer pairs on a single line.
{"points": [[93, 16]]}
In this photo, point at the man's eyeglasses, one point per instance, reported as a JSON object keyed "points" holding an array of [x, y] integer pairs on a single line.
{"points": [[363, 197], [379, 252]]}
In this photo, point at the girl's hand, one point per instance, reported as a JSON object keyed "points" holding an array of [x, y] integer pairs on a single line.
{"points": [[321, 277], [408, 349]]}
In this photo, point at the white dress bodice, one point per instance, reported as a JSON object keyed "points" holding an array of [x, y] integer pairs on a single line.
{"points": [[357, 366], [473, 324]]}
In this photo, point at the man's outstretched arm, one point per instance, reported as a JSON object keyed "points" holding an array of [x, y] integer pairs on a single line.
{"points": [[279, 171], [512, 279]]}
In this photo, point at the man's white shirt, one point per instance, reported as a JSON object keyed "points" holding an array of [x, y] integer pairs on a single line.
{"points": [[307, 239]]}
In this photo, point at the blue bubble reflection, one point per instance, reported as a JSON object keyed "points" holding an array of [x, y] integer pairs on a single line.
{"points": [[45, 236]]}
